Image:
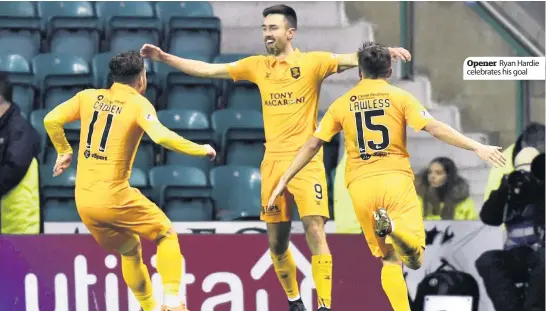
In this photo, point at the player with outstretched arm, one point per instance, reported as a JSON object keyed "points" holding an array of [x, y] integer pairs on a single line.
{"points": [[373, 117]]}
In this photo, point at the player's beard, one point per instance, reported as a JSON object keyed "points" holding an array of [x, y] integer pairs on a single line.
{"points": [[273, 49]]}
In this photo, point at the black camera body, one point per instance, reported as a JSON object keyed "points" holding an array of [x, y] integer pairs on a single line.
{"points": [[527, 187]]}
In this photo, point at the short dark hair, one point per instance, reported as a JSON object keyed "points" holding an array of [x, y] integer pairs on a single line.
{"points": [[284, 10], [6, 90], [374, 60], [126, 67]]}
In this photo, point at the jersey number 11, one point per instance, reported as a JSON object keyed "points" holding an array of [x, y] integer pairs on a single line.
{"points": [[105, 132]]}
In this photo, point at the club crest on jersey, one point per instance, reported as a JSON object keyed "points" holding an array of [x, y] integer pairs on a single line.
{"points": [[295, 71]]}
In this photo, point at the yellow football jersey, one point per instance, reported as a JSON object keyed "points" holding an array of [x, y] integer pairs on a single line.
{"points": [[373, 116], [290, 93]]}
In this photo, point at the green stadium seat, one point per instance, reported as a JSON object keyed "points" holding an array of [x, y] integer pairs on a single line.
{"points": [[71, 27], [246, 154], [19, 29], [166, 10], [60, 187], [178, 187], [244, 97], [145, 156], [193, 34], [17, 10], [236, 192], [139, 180], [232, 125], [191, 124], [128, 24], [18, 72], [189, 210], [175, 158], [61, 211], [60, 77], [185, 92]]}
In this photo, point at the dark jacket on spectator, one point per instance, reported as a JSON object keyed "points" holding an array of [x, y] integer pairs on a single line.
{"points": [[19, 144]]}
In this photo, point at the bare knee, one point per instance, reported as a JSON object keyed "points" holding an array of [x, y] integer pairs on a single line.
{"points": [[314, 227], [315, 235], [277, 247], [278, 235]]}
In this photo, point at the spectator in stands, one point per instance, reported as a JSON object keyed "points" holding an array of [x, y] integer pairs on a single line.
{"points": [[19, 182], [443, 193]]}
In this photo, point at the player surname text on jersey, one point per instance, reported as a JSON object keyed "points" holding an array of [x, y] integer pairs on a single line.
{"points": [[376, 103], [102, 106]]}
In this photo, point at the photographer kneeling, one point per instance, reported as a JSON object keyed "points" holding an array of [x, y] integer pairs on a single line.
{"points": [[518, 203]]}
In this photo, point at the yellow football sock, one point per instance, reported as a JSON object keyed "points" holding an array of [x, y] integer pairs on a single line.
{"points": [[285, 267], [322, 275], [169, 266], [138, 280], [408, 247], [394, 285]]}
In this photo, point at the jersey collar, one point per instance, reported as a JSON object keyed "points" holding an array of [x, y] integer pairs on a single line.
{"points": [[290, 60]]}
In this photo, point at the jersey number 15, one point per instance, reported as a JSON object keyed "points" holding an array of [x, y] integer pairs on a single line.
{"points": [[368, 122]]}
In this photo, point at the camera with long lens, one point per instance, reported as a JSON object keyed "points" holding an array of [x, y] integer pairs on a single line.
{"points": [[528, 186]]}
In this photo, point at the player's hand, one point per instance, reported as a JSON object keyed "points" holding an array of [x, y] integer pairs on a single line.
{"points": [[211, 153], [152, 51], [491, 154], [63, 162], [400, 54], [279, 190]]}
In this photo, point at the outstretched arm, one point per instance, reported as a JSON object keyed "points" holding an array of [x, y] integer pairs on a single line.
{"points": [[147, 120], [189, 66], [304, 156], [419, 119], [172, 141], [348, 61], [451, 136]]}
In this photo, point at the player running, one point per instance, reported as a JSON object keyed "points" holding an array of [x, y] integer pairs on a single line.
{"points": [[289, 83], [373, 116], [113, 122]]}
